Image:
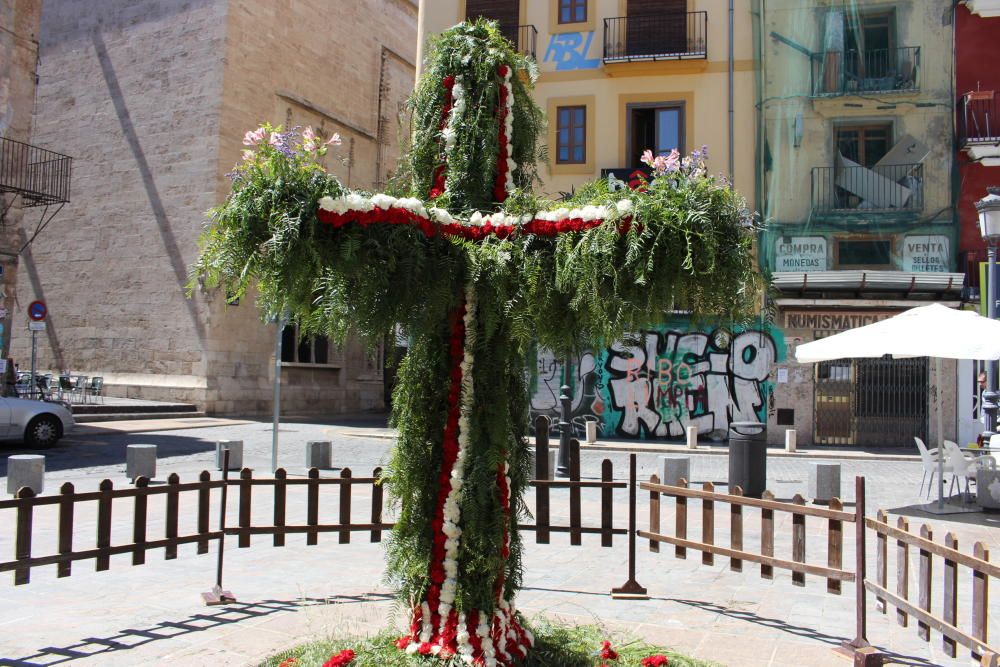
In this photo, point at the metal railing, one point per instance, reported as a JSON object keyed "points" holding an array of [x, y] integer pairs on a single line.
{"points": [[523, 37], [665, 36], [40, 176], [871, 71], [886, 188], [977, 118]]}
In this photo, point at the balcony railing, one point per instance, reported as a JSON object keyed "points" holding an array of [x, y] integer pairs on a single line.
{"points": [[978, 121], [871, 71], [856, 189], [523, 37], [666, 36], [41, 177]]}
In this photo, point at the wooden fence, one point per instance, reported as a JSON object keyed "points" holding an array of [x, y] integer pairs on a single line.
{"points": [[923, 549], [180, 528]]}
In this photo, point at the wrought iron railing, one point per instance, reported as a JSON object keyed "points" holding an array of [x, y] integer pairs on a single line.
{"points": [[523, 37], [887, 188], [664, 36], [40, 176], [978, 121], [871, 71]]}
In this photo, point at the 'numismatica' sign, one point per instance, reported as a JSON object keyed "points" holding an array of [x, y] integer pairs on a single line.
{"points": [[925, 254], [800, 253]]}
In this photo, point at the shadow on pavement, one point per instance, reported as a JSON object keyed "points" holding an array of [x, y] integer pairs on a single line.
{"points": [[131, 638], [980, 518]]}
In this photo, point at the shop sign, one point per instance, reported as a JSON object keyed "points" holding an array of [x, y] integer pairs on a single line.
{"points": [[800, 253], [925, 254], [836, 320]]}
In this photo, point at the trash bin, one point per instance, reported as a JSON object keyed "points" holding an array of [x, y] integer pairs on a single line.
{"points": [[748, 457]]}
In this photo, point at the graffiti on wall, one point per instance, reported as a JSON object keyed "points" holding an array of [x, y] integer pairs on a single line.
{"points": [[569, 51], [657, 383]]}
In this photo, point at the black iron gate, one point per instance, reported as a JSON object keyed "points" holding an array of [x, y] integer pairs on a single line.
{"points": [[870, 401]]}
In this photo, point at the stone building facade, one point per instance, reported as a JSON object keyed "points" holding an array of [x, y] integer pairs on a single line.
{"points": [[18, 58], [153, 98]]}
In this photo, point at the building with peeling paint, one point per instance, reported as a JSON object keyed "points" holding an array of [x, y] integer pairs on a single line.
{"points": [[854, 178]]}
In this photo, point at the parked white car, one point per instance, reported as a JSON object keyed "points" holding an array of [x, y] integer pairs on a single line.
{"points": [[38, 423]]}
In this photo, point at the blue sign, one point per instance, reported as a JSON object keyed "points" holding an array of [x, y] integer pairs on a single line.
{"points": [[37, 310], [569, 51]]}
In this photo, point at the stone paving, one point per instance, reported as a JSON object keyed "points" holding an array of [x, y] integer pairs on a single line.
{"points": [[153, 613]]}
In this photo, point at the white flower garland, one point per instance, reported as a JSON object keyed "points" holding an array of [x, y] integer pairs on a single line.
{"points": [[508, 120], [354, 202], [452, 511], [450, 132]]}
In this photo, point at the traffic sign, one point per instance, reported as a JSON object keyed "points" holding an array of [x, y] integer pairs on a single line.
{"points": [[36, 326], [37, 310]]}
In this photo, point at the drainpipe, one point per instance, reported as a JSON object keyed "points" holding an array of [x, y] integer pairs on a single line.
{"points": [[732, 156]]}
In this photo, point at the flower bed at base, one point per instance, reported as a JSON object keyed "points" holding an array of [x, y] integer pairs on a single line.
{"points": [[556, 645]]}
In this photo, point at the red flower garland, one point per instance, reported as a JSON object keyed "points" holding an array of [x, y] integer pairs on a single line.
{"points": [[608, 653], [655, 661], [345, 657], [401, 216]]}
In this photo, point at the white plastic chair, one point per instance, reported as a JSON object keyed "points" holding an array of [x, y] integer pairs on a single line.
{"points": [[929, 458], [963, 466]]}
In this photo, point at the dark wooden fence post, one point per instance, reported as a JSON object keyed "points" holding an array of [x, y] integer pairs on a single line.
{"points": [[22, 543], [607, 504], [312, 506], [575, 523], [798, 541], [708, 524], [950, 595], [980, 597], [246, 489], [103, 561], [924, 583], [902, 571], [631, 589], [767, 535], [280, 497], [859, 648], [173, 498], [681, 520], [204, 508], [736, 529], [217, 595], [654, 513], [345, 506], [377, 490], [542, 473], [835, 546], [66, 506], [139, 515]]}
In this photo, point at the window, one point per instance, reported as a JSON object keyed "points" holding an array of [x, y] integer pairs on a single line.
{"points": [[864, 144], [313, 350], [864, 253], [572, 11], [571, 135], [658, 127]]}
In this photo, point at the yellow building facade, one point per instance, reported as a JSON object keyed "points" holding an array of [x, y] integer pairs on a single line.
{"points": [[628, 75]]}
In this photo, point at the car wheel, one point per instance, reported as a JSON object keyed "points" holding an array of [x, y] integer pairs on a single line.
{"points": [[43, 431]]}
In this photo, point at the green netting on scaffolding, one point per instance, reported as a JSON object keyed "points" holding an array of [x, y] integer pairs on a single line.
{"points": [[854, 144]]}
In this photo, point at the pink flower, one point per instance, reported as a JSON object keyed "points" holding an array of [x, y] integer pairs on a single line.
{"points": [[308, 134], [275, 139], [254, 137], [333, 141], [247, 155], [647, 157]]}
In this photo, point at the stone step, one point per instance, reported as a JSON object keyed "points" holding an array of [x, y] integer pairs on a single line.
{"points": [[113, 407], [121, 416]]}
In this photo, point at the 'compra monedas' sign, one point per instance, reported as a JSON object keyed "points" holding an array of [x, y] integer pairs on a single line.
{"points": [[800, 253]]}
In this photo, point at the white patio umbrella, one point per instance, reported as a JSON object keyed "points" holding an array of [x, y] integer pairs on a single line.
{"points": [[928, 331]]}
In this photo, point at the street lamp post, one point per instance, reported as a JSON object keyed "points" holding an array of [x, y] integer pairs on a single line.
{"points": [[989, 225]]}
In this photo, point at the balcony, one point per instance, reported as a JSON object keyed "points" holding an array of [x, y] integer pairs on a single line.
{"points": [[875, 71], [41, 177], [523, 37], [666, 36], [852, 189], [979, 126]]}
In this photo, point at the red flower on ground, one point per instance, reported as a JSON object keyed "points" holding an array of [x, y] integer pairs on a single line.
{"points": [[655, 661], [608, 653], [288, 662], [345, 657]]}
